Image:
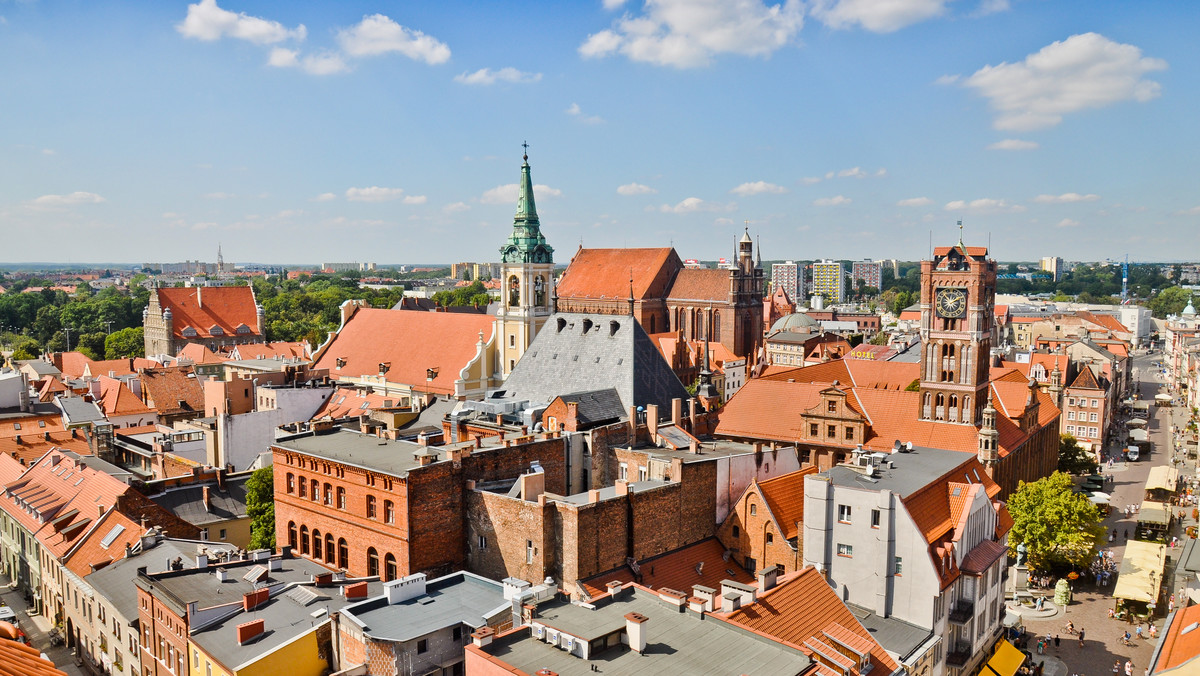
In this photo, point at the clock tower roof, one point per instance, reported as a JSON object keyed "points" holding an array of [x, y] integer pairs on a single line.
{"points": [[526, 244]]}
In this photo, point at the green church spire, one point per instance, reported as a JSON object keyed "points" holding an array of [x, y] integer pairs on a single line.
{"points": [[526, 244]]}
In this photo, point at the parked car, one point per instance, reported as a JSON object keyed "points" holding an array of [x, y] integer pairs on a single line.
{"points": [[8, 615], [1132, 453]]}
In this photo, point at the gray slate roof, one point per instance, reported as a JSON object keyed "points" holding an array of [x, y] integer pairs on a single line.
{"points": [[599, 406], [187, 502], [896, 636], [115, 581], [456, 599], [912, 472], [76, 410], [584, 353], [40, 367]]}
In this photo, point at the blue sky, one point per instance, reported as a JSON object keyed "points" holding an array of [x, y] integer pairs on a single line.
{"points": [[380, 131]]}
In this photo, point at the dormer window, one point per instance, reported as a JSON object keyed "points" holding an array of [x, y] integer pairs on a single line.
{"points": [[340, 362], [189, 332], [243, 329], [215, 330]]}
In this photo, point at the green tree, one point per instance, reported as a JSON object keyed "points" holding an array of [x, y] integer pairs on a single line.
{"points": [[1057, 525], [125, 343], [1170, 301], [260, 506], [1072, 459]]}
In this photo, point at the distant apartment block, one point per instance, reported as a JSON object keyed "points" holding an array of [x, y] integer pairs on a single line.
{"points": [[829, 281], [870, 272], [1053, 265], [788, 276], [473, 271], [348, 267]]}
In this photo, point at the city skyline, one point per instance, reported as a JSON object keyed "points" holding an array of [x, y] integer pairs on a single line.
{"points": [[375, 131]]}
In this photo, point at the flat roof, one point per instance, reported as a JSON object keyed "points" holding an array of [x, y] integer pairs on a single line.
{"points": [[609, 492], [368, 451], [458, 598], [913, 471], [115, 581], [896, 636], [709, 449], [678, 642]]}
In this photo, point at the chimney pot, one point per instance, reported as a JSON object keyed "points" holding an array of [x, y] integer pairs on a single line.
{"points": [[483, 636], [248, 631]]}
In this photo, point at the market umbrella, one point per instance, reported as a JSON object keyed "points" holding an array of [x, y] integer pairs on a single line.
{"points": [[1162, 397], [1138, 435], [1137, 422]]}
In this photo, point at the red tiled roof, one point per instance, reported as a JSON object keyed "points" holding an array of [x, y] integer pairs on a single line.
{"points": [[700, 284], [271, 350], [71, 364], [110, 367], [172, 390], [1180, 653], [1107, 321], [605, 273], [983, 555], [116, 399], [803, 609], [91, 554], [10, 469], [35, 444], [200, 354], [202, 308], [703, 563], [785, 497], [411, 341], [347, 402], [50, 387], [18, 659], [969, 250], [1085, 380], [30, 426], [910, 315]]}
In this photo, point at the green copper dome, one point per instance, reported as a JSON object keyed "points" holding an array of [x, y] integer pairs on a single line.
{"points": [[526, 244]]}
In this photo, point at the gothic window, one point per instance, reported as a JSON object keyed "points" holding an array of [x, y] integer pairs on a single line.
{"points": [[698, 325], [514, 291], [716, 327]]}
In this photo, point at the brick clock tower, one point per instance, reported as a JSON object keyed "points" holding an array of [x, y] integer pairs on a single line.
{"points": [[527, 272], [958, 293]]}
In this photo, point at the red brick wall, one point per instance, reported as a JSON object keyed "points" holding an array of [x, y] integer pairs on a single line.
{"points": [[751, 537], [507, 526]]}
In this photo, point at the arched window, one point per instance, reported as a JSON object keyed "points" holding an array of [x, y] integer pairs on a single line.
{"points": [[341, 497], [316, 544], [316, 490], [389, 512], [389, 568], [292, 534], [291, 483], [514, 291], [370, 506], [329, 547], [303, 483], [941, 399], [697, 324], [343, 560], [539, 291], [303, 539], [652, 326], [372, 562], [716, 327], [328, 494]]}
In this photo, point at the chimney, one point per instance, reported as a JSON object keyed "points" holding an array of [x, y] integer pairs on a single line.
{"points": [[323, 580], [199, 301], [614, 589], [704, 594], [730, 602], [676, 411], [254, 599], [767, 577], [482, 636], [410, 587], [593, 496], [222, 575], [356, 591], [652, 422], [532, 485], [635, 627], [248, 631], [202, 560], [207, 499], [478, 442]]}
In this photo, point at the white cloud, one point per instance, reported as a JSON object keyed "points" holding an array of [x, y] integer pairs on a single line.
{"points": [[881, 173], [415, 199], [282, 57], [456, 207], [613, 4], [985, 205], [836, 201], [378, 34], [1065, 198], [758, 188], [947, 80], [877, 16], [693, 205], [219, 196], [915, 202], [992, 7], [325, 63], [507, 194], [689, 33], [206, 21], [809, 180], [288, 213], [1013, 144], [49, 151], [575, 111], [635, 189], [324, 197], [487, 76], [1067, 223], [373, 194], [61, 201], [1084, 71], [855, 172]]}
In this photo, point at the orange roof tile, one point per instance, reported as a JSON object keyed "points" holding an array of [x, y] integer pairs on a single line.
{"points": [[117, 399], [784, 496], [968, 250], [10, 469], [804, 611], [701, 284], [200, 354], [704, 563], [411, 342], [18, 659], [346, 402], [203, 308], [30, 426], [283, 349], [1179, 650], [605, 273], [35, 444], [910, 315], [172, 390], [50, 387], [1085, 380], [91, 553], [110, 367], [71, 364]]}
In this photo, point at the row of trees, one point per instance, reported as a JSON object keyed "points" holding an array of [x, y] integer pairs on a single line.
{"points": [[44, 321]]}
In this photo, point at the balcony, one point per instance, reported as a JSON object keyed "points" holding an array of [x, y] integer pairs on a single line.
{"points": [[962, 611], [959, 654]]}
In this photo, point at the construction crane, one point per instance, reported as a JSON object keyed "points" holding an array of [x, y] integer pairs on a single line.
{"points": [[1125, 280]]}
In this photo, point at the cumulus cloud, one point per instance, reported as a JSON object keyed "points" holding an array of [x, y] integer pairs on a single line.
{"points": [[854, 172], [456, 207], [1067, 223], [1013, 144], [575, 111], [635, 189], [1065, 198], [373, 194], [415, 199], [689, 33], [378, 34], [487, 76], [324, 63], [507, 194], [992, 7], [984, 205], [915, 202], [758, 188], [810, 180], [613, 4], [1084, 71], [325, 197], [206, 21], [835, 201], [874, 15], [70, 199], [693, 205]]}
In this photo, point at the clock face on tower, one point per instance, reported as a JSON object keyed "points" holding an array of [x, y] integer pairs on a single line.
{"points": [[951, 303]]}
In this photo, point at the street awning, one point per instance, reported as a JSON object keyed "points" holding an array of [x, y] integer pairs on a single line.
{"points": [[1162, 397], [1163, 477], [1154, 512], [1141, 572], [1005, 661], [1099, 498], [1136, 422], [1139, 435], [1141, 406]]}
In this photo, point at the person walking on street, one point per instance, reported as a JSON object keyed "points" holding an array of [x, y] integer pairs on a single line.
{"points": [[1056, 644], [1128, 667], [1081, 637], [1116, 668]]}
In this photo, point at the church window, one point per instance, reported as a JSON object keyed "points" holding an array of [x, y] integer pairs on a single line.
{"points": [[716, 327], [512, 340], [539, 291], [514, 291]]}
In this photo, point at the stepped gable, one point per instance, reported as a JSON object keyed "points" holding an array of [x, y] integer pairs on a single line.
{"points": [[585, 352]]}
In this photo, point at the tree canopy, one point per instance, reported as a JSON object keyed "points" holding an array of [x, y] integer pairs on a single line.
{"points": [[260, 506], [1058, 526], [125, 343], [1072, 459]]}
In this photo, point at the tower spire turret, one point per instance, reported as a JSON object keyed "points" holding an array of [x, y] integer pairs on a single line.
{"points": [[526, 244]]}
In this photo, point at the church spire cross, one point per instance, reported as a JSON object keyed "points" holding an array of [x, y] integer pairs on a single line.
{"points": [[525, 145], [960, 239]]}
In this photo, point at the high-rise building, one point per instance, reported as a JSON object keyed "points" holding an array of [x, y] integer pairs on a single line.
{"points": [[1053, 265], [870, 272], [829, 281], [788, 276]]}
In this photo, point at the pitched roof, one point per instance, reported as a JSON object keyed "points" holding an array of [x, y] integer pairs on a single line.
{"points": [[200, 354], [32, 424], [701, 284], [597, 406], [19, 659], [412, 342], [606, 273], [205, 308], [1179, 652], [117, 399], [1086, 380], [703, 563], [785, 497], [346, 402], [803, 610], [299, 350], [1107, 321], [34, 444], [173, 389], [71, 364], [50, 387], [104, 544], [187, 502], [109, 367]]}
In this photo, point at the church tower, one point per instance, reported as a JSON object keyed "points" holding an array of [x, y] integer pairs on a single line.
{"points": [[958, 293], [527, 276]]}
